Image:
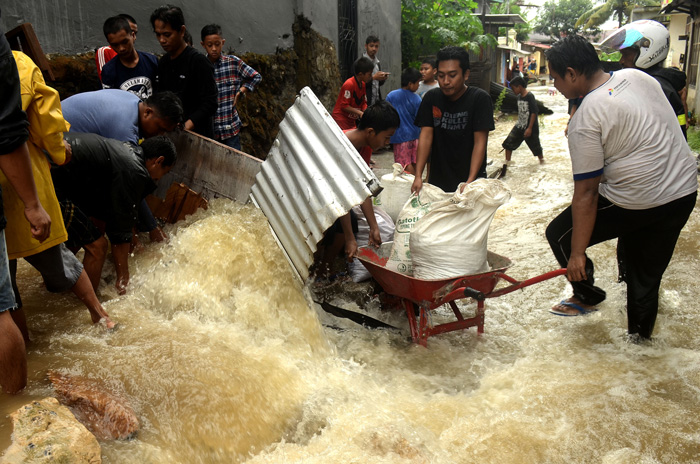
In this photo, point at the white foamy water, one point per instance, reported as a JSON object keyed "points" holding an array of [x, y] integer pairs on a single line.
{"points": [[224, 360]]}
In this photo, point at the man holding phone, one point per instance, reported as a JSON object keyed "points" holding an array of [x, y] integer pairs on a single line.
{"points": [[374, 94]]}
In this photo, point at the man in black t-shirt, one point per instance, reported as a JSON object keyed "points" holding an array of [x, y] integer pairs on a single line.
{"points": [[106, 179], [184, 71], [527, 127], [455, 121]]}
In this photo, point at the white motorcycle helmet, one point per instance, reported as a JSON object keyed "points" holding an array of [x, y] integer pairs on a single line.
{"points": [[651, 38]]}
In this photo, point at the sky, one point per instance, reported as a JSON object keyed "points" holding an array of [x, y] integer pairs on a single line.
{"points": [[530, 13]]}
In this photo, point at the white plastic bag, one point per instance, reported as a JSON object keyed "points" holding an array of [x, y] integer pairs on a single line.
{"points": [[397, 189], [415, 208], [451, 239], [358, 272]]}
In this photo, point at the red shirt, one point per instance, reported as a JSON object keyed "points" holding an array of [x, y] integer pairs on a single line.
{"points": [[353, 94], [102, 56]]}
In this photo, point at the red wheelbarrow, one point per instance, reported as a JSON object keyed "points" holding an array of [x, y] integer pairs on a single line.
{"points": [[418, 297]]}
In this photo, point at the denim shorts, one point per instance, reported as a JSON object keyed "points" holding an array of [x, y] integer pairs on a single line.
{"points": [[7, 297]]}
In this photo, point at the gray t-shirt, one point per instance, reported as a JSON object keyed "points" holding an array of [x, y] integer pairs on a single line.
{"points": [[110, 113], [423, 87], [627, 131]]}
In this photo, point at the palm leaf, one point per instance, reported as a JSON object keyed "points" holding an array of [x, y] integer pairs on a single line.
{"points": [[584, 17], [600, 16]]}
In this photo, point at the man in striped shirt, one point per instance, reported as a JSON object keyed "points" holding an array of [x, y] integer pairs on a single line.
{"points": [[234, 79]]}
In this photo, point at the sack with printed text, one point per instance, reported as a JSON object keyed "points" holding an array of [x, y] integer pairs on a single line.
{"points": [[451, 239], [415, 208]]}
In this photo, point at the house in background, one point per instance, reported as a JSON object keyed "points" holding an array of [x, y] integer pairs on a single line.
{"points": [[683, 23], [509, 50], [496, 60]]}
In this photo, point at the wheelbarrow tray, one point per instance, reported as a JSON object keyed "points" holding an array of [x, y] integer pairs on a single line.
{"points": [[420, 296], [423, 291]]}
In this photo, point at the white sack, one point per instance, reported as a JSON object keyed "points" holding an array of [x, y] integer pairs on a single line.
{"points": [[358, 272], [451, 239], [415, 208], [397, 189]]}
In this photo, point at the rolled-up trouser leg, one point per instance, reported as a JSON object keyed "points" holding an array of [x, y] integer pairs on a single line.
{"points": [[559, 237]]}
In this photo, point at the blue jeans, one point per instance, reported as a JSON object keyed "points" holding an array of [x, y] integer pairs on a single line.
{"points": [[7, 296], [233, 142]]}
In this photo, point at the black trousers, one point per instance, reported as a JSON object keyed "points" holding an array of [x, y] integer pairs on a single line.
{"points": [[648, 238]]}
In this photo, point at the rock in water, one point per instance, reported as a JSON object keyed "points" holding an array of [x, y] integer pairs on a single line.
{"points": [[45, 431], [105, 414]]}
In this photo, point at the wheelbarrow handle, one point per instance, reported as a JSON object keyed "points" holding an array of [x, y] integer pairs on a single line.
{"points": [[476, 294]]}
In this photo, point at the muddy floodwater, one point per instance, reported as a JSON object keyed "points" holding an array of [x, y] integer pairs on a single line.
{"points": [[224, 360]]}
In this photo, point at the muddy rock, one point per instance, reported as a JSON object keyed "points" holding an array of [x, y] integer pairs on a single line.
{"points": [[45, 431], [74, 74], [104, 413], [317, 65], [313, 63]]}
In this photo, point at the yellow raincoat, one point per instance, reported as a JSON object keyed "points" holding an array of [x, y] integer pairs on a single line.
{"points": [[46, 126]]}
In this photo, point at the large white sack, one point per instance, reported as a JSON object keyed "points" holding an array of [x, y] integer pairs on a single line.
{"points": [[358, 272], [451, 239], [415, 208], [396, 190]]}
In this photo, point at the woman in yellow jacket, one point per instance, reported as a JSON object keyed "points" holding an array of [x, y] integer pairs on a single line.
{"points": [[59, 267]]}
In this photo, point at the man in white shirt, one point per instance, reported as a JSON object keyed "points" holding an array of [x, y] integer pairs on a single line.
{"points": [[634, 179]]}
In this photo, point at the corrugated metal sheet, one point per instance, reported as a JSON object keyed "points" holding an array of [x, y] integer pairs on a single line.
{"points": [[311, 177]]}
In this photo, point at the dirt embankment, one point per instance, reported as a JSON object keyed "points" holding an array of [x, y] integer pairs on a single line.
{"points": [[312, 62]]}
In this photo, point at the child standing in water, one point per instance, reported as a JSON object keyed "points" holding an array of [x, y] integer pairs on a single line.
{"points": [[526, 128]]}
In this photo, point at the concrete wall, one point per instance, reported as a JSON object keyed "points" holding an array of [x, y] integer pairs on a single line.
{"points": [[74, 26], [323, 15], [383, 19]]}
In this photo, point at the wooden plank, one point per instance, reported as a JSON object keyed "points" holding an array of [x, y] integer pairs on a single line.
{"points": [[180, 201], [23, 38], [210, 169]]}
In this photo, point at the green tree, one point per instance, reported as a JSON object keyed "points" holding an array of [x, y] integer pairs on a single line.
{"points": [[429, 25], [558, 18], [620, 9], [522, 30]]}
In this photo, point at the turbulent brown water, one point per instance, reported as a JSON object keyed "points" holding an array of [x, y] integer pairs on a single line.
{"points": [[224, 360]]}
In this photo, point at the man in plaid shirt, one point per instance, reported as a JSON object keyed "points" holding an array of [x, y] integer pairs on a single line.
{"points": [[234, 79]]}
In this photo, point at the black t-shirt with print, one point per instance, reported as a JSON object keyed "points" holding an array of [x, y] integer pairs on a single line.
{"points": [[454, 124]]}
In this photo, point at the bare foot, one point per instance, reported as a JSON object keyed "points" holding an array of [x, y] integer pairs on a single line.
{"points": [[541, 160], [100, 316], [108, 323], [572, 307], [158, 235]]}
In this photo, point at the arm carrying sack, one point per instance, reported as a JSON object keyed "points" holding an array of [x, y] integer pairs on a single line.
{"points": [[358, 272]]}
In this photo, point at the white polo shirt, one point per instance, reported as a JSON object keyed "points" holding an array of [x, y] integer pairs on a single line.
{"points": [[627, 131]]}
